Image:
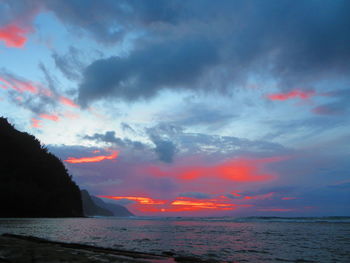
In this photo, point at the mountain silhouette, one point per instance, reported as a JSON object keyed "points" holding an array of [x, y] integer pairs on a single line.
{"points": [[117, 210], [94, 206], [90, 208], [33, 182]]}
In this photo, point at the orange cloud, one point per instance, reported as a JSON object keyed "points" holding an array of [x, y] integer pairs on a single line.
{"points": [[140, 200], [180, 204], [13, 35], [93, 159], [49, 117], [291, 95], [36, 123]]}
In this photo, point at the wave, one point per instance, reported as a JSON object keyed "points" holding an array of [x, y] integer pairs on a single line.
{"points": [[325, 219]]}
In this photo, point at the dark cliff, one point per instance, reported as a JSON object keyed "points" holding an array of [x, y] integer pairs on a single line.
{"points": [[90, 208], [33, 182], [117, 210]]}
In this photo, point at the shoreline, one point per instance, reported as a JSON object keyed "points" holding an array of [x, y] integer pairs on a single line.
{"points": [[18, 248]]}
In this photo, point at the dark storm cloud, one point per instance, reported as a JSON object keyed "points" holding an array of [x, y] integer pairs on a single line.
{"points": [[172, 63], [110, 137], [165, 149], [215, 147], [296, 43]]}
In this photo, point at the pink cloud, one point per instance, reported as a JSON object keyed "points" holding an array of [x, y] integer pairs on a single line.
{"points": [[237, 170], [14, 36], [36, 123], [51, 117], [68, 102], [288, 198], [93, 159], [291, 95]]}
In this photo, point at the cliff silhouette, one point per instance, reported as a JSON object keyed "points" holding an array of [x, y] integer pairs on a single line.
{"points": [[94, 206], [33, 182]]}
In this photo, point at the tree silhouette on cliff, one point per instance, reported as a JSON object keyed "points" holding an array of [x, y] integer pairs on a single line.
{"points": [[33, 182]]}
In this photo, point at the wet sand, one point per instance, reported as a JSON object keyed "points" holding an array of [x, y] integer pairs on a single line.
{"points": [[27, 249]]}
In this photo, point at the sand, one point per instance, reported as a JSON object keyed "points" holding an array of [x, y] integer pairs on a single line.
{"points": [[27, 249]]}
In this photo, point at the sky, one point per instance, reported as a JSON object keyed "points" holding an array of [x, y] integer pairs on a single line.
{"points": [[187, 108]]}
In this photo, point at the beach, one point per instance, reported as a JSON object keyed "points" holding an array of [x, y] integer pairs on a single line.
{"points": [[24, 249]]}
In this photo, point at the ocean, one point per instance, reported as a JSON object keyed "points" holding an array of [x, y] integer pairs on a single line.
{"points": [[253, 239]]}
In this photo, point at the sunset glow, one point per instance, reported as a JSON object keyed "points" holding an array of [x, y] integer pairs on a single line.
{"points": [[51, 117], [68, 102], [187, 108], [180, 204], [13, 36], [291, 95], [93, 159], [36, 123]]}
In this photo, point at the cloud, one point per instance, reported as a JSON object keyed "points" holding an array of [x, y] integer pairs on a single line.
{"points": [[93, 159], [173, 63], [239, 170], [199, 114], [339, 104], [110, 137], [69, 64], [43, 100], [165, 149], [196, 195], [51, 117], [35, 123], [13, 36], [201, 52], [291, 95], [184, 45]]}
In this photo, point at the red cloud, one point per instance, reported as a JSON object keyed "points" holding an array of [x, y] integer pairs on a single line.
{"points": [[291, 95], [180, 204], [93, 159], [140, 200], [238, 170], [13, 35]]}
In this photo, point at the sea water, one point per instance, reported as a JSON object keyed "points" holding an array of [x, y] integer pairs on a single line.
{"points": [[217, 239]]}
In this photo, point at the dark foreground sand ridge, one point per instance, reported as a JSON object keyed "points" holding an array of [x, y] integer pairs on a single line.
{"points": [[25, 249]]}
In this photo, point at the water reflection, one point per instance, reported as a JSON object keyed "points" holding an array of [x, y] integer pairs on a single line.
{"points": [[229, 241]]}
